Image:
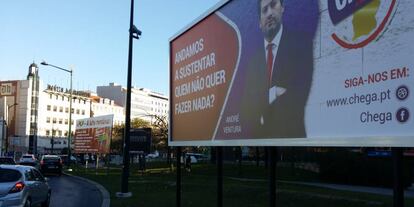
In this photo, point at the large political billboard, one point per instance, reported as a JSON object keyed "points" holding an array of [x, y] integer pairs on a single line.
{"points": [[93, 135], [294, 73]]}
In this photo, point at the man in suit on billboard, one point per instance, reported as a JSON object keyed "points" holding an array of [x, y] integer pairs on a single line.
{"points": [[278, 78]]}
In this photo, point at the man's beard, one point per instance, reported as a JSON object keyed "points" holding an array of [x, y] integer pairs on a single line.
{"points": [[270, 33]]}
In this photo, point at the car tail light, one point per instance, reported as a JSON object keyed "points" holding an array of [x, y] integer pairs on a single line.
{"points": [[61, 161], [17, 187], [42, 162]]}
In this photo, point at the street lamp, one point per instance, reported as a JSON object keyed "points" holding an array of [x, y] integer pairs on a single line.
{"points": [[70, 106], [134, 33]]}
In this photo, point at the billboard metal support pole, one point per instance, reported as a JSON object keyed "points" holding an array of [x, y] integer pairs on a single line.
{"points": [[178, 194], [272, 176], [133, 33], [397, 157], [219, 176]]}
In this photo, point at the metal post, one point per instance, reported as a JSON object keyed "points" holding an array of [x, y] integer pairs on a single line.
{"points": [[70, 120], [126, 164], [52, 141], [178, 193], [219, 176], [272, 176], [397, 156]]}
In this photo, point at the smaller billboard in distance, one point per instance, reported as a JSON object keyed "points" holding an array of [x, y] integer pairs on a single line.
{"points": [[93, 135], [140, 140]]}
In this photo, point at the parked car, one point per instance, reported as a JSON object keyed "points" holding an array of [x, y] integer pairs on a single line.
{"points": [[7, 161], [29, 160], [73, 159], [51, 164], [153, 155], [23, 186], [195, 157]]}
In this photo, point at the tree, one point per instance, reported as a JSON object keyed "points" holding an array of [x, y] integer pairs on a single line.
{"points": [[118, 131]]}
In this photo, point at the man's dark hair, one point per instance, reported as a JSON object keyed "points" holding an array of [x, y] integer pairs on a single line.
{"points": [[259, 5]]}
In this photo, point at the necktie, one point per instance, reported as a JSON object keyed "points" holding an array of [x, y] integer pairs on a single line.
{"points": [[270, 58]]}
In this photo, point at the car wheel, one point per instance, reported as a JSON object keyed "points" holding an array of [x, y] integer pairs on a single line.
{"points": [[28, 203], [47, 201]]}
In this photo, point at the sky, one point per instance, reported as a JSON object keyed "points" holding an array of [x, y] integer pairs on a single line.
{"points": [[91, 37]]}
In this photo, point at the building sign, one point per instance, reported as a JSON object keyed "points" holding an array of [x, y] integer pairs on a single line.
{"points": [[294, 73], [8, 88], [140, 140], [93, 135], [67, 91]]}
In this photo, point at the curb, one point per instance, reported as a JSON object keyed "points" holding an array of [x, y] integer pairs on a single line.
{"points": [[106, 200]]}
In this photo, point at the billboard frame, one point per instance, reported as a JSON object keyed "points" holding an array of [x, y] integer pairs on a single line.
{"points": [[309, 141]]}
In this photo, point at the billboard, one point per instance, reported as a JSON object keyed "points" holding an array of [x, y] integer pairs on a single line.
{"points": [[93, 135], [140, 140], [294, 73]]}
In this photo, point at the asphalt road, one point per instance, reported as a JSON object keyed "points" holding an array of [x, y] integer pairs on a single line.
{"points": [[71, 192]]}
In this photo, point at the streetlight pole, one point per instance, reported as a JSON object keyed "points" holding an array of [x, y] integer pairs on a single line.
{"points": [[134, 33], [70, 107]]}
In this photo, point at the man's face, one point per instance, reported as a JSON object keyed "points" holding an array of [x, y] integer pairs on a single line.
{"points": [[270, 17]]}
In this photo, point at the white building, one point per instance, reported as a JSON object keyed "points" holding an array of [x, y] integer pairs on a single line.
{"points": [[104, 106], [35, 114], [144, 103], [53, 120]]}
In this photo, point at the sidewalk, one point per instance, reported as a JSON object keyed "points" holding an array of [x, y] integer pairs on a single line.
{"points": [[409, 192]]}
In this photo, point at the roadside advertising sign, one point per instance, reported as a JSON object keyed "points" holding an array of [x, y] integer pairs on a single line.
{"points": [[140, 140], [93, 135], [294, 73]]}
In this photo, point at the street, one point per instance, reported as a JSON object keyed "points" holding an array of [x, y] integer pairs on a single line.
{"points": [[71, 192]]}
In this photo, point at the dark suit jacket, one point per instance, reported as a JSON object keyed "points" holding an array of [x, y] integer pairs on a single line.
{"points": [[293, 70]]}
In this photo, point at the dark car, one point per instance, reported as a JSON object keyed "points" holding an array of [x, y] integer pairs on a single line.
{"points": [[7, 161], [51, 164]]}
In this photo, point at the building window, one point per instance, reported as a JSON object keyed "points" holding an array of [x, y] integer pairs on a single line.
{"points": [[77, 111], [50, 96], [66, 133], [57, 97], [54, 120], [47, 119], [66, 121], [60, 121], [54, 108], [49, 107], [73, 110], [61, 109], [66, 110], [60, 133], [47, 132], [63, 98], [83, 112]]}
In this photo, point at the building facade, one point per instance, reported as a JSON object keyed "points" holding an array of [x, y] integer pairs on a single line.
{"points": [[104, 106], [144, 102], [36, 117]]}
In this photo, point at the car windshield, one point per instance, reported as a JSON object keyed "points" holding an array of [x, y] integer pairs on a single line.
{"points": [[51, 158], [8, 175], [27, 156]]}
